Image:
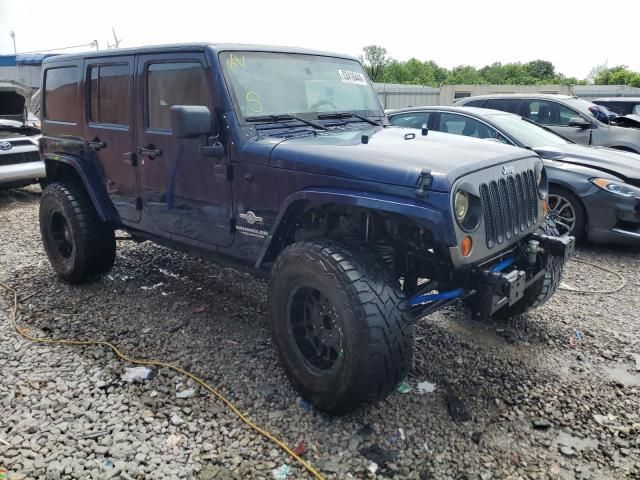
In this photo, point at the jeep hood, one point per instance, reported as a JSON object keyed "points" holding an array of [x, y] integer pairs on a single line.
{"points": [[615, 162], [392, 155]]}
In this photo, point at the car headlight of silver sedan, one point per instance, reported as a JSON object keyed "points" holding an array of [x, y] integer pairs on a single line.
{"points": [[616, 187], [541, 180]]}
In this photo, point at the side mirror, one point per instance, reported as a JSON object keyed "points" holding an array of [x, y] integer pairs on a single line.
{"points": [[579, 122], [190, 121]]}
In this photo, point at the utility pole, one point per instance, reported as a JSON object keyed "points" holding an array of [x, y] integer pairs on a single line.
{"points": [[13, 36], [116, 45], [15, 51]]}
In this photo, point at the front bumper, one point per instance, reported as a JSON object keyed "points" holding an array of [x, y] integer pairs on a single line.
{"points": [[613, 218], [22, 172], [502, 281], [499, 286]]}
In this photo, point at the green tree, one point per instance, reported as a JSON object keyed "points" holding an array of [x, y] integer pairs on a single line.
{"points": [[618, 75], [464, 75], [541, 70], [416, 72], [375, 60]]}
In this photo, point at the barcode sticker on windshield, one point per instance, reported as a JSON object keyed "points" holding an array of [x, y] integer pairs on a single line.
{"points": [[352, 77]]}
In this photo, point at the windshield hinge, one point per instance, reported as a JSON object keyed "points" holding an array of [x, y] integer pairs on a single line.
{"points": [[424, 182]]}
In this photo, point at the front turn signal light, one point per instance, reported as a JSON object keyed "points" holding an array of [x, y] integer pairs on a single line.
{"points": [[466, 246], [545, 208]]}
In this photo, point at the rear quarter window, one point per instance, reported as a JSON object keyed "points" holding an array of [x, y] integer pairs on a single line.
{"points": [[475, 103], [410, 120], [510, 105], [60, 98]]}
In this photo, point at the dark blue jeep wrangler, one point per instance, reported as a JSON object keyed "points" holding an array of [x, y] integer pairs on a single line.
{"points": [[283, 160]]}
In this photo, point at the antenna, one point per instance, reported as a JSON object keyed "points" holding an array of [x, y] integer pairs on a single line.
{"points": [[116, 45]]}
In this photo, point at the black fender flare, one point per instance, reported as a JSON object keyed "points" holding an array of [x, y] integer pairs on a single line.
{"points": [[91, 180], [425, 215]]}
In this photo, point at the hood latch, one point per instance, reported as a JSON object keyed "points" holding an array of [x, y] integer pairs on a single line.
{"points": [[424, 182]]}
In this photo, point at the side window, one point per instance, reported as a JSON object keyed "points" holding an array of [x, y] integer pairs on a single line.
{"points": [[60, 90], [170, 84], [621, 108], [542, 112], [565, 114], [475, 103], [109, 94], [466, 126], [545, 112], [410, 120], [511, 105]]}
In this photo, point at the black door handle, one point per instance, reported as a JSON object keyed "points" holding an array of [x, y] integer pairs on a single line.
{"points": [[149, 151], [96, 144]]}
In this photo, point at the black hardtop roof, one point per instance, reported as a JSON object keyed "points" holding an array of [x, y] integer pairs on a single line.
{"points": [[190, 47]]}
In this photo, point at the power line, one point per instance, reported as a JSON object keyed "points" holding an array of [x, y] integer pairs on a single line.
{"points": [[92, 44]]}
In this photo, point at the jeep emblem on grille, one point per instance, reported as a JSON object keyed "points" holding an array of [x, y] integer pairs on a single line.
{"points": [[507, 170], [5, 146]]}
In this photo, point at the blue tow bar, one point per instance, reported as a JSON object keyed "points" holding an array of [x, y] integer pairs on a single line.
{"points": [[434, 297], [458, 292]]}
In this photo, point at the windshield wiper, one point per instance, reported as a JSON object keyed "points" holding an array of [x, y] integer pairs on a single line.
{"points": [[283, 118], [338, 115]]}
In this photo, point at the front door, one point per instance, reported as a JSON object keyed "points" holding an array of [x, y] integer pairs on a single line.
{"points": [[109, 128], [184, 193], [557, 117]]}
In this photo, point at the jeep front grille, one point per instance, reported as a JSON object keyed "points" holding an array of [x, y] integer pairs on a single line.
{"points": [[22, 157], [509, 205]]}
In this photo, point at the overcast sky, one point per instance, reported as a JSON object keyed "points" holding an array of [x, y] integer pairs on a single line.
{"points": [[575, 36]]}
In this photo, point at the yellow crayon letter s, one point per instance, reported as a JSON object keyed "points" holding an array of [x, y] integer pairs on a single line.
{"points": [[254, 102]]}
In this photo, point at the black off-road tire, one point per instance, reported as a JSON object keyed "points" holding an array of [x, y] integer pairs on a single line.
{"points": [[376, 334], [78, 244], [544, 288]]}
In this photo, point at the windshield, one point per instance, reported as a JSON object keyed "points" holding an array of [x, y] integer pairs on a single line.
{"points": [[527, 133], [269, 83]]}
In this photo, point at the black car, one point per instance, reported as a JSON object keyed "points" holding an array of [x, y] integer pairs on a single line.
{"points": [[594, 192], [621, 105]]}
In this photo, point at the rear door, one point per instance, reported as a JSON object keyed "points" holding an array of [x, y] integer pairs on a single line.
{"points": [[184, 192], [109, 128]]}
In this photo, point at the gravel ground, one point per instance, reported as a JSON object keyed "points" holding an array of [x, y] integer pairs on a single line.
{"points": [[555, 394]]}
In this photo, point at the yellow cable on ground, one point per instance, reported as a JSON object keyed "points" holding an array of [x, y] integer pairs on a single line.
{"points": [[609, 291], [24, 333]]}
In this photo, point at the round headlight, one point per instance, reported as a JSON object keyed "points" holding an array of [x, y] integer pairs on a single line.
{"points": [[461, 205]]}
